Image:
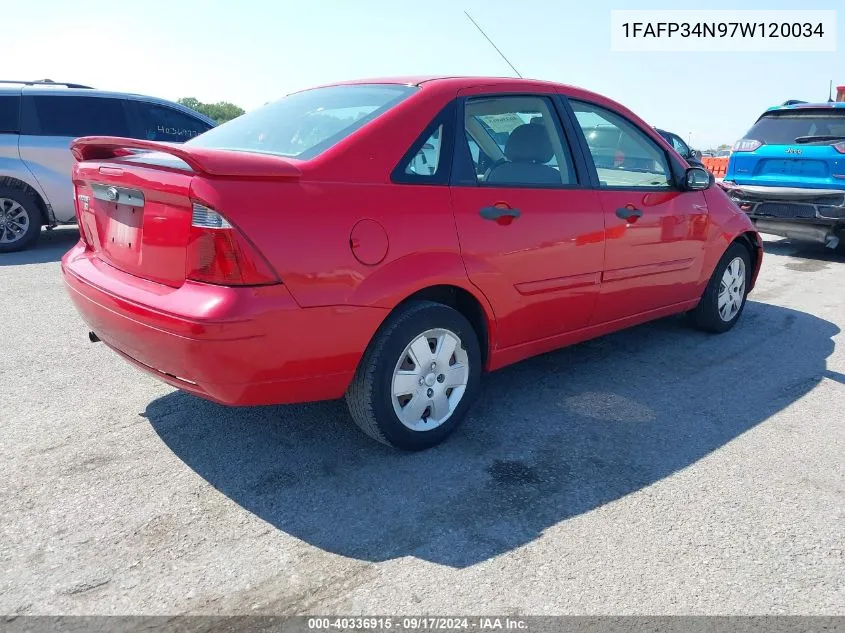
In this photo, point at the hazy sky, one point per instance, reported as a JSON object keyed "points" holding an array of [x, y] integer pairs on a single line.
{"points": [[253, 51]]}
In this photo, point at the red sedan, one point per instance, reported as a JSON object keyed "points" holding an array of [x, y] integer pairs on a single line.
{"points": [[390, 240]]}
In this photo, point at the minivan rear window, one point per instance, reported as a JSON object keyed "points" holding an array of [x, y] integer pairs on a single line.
{"points": [[162, 123], [73, 116], [783, 127], [305, 124], [10, 108]]}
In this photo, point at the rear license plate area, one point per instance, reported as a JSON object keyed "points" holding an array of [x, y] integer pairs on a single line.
{"points": [[124, 227]]}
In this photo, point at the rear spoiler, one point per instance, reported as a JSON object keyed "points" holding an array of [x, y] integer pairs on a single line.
{"points": [[211, 162]]}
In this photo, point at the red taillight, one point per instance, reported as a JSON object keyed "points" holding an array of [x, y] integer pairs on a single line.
{"points": [[80, 203], [219, 254], [840, 147], [746, 145]]}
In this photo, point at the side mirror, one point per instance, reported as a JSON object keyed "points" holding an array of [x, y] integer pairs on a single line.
{"points": [[697, 179]]}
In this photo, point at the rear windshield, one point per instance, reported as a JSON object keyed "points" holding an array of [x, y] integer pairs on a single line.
{"points": [[304, 124], [782, 128]]}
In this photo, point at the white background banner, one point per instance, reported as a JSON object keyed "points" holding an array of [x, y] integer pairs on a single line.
{"points": [[708, 30]]}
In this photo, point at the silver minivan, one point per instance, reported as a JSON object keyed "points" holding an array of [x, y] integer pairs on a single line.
{"points": [[38, 121]]}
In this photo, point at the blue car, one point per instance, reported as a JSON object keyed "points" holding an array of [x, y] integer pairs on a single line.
{"points": [[788, 172]]}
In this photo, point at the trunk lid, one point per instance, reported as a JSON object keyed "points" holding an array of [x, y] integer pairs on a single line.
{"points": [[136, 219], [811, 166], [136, 210], [798, 145]]}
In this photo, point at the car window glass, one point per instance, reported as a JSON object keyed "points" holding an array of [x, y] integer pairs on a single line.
{"points": [[783, 127], [474, 150], [76, 116], [481, 161], [10, 106], [161, 123], [426, 161], [515, 140], [305, 124], [680, 146], [623, 155]]}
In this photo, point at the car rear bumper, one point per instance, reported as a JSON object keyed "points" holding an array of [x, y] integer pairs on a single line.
{"points": [[821, 206], [235, 346], [816, 215]]}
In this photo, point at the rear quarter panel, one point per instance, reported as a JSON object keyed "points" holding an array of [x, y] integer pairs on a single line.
{"points": [[305, 227], [305, 230], [50, 161]]}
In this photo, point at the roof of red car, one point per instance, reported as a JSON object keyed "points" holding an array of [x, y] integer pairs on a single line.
{"points": [[463, 81], [449, 83], [458, 82]]}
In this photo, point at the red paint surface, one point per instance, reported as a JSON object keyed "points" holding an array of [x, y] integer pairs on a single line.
{"points": [[369, 242], [348, 246]]}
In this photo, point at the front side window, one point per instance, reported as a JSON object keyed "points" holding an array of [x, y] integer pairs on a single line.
{"points": [[516, 141], [623, 155], [305, 124], [74, 116], [162, 123]]}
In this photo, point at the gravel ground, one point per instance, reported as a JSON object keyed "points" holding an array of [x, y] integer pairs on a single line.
{"points": [[658, 470]]}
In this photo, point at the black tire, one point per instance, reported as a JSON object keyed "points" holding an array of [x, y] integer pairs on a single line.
{"points": [[840, 248], [370, 396], [706, 315], [33, 213]]}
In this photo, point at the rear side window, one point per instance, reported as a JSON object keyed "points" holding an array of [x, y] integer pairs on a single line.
{"points": [[516, 141], [48, 115], [10, 107], [162, 123], [785, 127], [429, 160], [426, 161], [305, 124]]}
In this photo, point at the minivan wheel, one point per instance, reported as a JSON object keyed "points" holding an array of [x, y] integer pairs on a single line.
{"points": [[20, 220], [724, 298], [418, 377]]}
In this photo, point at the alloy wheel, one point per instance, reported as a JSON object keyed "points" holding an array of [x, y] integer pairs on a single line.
{"points": [[14, 221]]}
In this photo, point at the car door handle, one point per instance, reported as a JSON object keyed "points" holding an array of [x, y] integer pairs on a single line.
{"points": [[628, 213], [498, 212]]}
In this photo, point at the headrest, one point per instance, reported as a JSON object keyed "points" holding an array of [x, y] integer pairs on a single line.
{"points": [[529, 144]]}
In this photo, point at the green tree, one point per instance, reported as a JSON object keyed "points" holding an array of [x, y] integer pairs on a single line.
{"points": [[221, 111]]}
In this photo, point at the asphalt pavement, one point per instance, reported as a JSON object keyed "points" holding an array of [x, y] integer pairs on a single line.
{"points": [[654, 471]]}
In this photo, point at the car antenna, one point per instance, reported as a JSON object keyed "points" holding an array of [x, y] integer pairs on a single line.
{"points": [[830, 92], [492, 44]]}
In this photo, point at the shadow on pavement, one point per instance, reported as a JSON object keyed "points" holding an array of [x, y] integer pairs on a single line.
{"points": [[549, 439], [816, 255], [50, 247]]}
